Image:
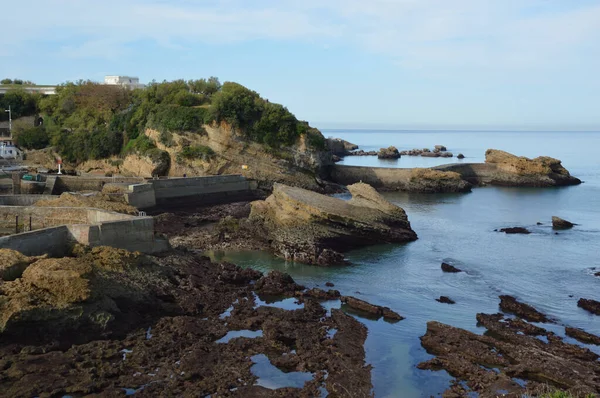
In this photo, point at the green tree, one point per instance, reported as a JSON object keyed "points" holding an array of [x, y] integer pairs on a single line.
{"points": [[6, 81], [31, 137]]}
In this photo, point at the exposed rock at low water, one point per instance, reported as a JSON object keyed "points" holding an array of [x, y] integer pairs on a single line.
{"points": [[450, 268], [460, 156], [445, 300], [559, 223], [512, 305], [592, 306], [515, 230], [513, 359], [372, 309], [315, 229], [582, 336], [108, 322]]}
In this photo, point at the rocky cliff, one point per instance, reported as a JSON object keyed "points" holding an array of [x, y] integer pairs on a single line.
{"points": [[221, 149], [521, 171], [308, 227]]}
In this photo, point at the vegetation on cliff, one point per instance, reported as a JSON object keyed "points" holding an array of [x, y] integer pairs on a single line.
{"points": [[87, 120]]}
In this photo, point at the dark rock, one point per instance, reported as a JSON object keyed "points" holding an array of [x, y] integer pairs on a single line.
{"points": [[446, 154], [430, 154], [512, 305], [597, 274], [276, 283], [450, 268], [445, 300], [582, 336], [559, 223], [515, 230], [460, 156], [592, 306], [440, 148], [388, 153], [376, 310], [489, 362], [329, 284], [339, 147], [320, 294], [539, 223]]}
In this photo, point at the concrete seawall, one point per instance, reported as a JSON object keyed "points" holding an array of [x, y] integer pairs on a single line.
{"points": [[55, 229]]}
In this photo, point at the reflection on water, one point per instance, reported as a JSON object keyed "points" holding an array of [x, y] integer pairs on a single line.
{"points": [[272, 378]]}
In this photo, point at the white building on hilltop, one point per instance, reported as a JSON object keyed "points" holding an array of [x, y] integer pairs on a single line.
{"points": [[125, 81]]}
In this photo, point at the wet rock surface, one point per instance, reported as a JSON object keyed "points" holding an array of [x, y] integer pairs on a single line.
{"points": [[515, 230], [559, 223], [445, 300], [450, 268], [310, 228], [162, 341], [512, 305], [589, 305], [375, 310], [582, 336], [512, 358]]}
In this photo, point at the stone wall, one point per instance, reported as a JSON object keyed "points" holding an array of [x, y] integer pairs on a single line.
{"points": [[52, 241]]}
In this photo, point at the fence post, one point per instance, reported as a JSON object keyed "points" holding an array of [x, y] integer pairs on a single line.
{"points": [[16, 224], [30, 223]]}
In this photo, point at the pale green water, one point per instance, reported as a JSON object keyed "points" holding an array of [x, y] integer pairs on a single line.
{"points": [[542, 269]]}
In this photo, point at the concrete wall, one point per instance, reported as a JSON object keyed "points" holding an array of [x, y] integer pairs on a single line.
{"points": [[141, 196], [77, 184], [377, 177], [51, 241], [91, 227], [203, 190], [22, 200]]}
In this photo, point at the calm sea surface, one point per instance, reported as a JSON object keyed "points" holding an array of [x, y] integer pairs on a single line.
{"points": [[542, 269]]}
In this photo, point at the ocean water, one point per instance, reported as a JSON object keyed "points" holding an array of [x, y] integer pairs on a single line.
{"points": [[550, 272]]}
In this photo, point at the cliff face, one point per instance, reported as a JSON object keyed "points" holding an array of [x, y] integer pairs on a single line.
{"points": [[522, 171], [308, 227], [223, 151]]}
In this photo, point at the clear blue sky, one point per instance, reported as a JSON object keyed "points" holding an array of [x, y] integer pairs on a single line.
{"points": [[335, 63]]}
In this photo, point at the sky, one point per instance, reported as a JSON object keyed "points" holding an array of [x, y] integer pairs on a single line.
{"points": [[336, 63]]}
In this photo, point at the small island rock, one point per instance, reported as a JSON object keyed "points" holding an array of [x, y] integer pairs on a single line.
{"points": [[450, 268], [445, 300], [515, 230], [460, 156], [389, 153], [559, 223]]}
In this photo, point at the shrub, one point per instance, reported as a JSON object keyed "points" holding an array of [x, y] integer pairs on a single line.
{"points": [[31, 137], [178, 118], [166, 138], [195, 152]]}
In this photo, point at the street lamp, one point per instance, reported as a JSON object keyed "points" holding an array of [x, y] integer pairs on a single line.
{"points": [[9, 120]]}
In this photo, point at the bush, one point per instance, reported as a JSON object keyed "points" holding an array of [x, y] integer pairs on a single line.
{"points": [[236, 105], [31, 137], [177, 118], [195, 152], [166, 138]]}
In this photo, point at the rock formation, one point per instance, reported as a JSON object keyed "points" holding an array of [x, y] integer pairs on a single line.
{"points": [[512, 305], [460, 156], [375, 310], [515, 230], [307, 227], [521, 171], [590, 305], [507, 357], [433, 181], [388, 153], [450, 268], [559, 223], [340, 147]]}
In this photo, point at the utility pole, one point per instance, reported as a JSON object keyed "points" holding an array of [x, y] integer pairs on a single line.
{"points": [[9, 120]]}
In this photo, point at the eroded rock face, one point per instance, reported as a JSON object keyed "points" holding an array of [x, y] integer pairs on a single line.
{"points": [[521, 171], [315, 229], [434, 181], [388, 153], [511, 352], [340, 147]]}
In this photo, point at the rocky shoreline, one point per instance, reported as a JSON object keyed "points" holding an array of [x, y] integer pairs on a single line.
{"points": [[101, 332]]}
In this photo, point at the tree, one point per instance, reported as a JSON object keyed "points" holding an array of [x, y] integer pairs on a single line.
{"points": [[6, 81]]}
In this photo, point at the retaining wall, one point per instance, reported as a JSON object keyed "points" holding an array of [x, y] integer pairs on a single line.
{"points": [[77, 184], [22, 200], [92, 227]]}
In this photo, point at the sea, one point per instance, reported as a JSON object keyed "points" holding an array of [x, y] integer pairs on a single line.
{"points": [[549, 271]]}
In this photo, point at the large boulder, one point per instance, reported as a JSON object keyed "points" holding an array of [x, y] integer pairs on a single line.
{"points": [[559, 223], [388, 153], [311, 228], [522, 171], [340, 147]]}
